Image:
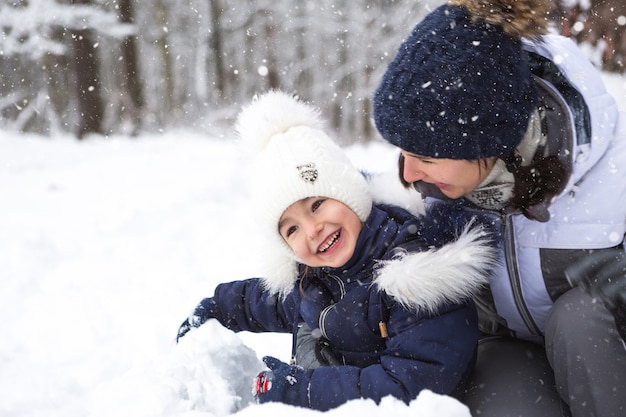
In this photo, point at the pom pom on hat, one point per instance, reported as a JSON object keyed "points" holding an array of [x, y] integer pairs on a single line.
{"points": [[294, 159], [270, 115], [459, 86]]}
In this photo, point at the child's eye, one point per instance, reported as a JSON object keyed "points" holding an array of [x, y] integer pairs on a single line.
{"points": [[316, 204], [290, 231]]}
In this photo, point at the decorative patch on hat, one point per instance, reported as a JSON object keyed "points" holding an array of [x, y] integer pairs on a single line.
{"points": [[308, 172]]}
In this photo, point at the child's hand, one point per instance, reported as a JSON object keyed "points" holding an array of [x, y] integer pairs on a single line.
{"points": [[183, 329], [282, 383], [204, 311]]}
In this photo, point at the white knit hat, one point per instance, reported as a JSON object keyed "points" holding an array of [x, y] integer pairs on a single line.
{"points": [[295, 159]]}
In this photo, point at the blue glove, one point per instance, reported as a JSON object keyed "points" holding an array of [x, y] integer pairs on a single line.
{"points": [[283, 383], [603, 275], [205, 310]]}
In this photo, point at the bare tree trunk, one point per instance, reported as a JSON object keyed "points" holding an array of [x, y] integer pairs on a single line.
{"points": [[304, 78], [217, 47], [85, 62], [167, 78], [273, 81], [131, 81]]}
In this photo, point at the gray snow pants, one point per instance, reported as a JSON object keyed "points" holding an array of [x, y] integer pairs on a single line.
{"points": [[516, 378], [310, 353], [587, 355]]}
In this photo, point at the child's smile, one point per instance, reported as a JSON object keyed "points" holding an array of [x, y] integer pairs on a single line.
{"points": [[329, 244], [321, 231]]}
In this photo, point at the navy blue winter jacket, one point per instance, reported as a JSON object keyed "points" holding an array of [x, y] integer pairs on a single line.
{"points": [[415, 275]]}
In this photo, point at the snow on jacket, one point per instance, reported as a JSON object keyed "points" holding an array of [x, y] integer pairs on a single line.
{"points": [[585, 128], [415, 275]]}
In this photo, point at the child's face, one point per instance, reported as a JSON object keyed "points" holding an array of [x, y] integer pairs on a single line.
{"points": [[321, 231]]}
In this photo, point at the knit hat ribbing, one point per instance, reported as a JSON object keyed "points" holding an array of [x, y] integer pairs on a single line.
{"points": [[459, 87], [295, 159]]}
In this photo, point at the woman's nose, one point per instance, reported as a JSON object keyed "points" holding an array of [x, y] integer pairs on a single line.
{"points": [[411, 171]]}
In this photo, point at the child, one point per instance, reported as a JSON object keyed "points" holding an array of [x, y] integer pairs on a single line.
{"points": [[378, 300]]}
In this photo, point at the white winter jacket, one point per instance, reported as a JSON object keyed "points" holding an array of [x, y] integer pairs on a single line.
{"points": [[590, 213]]}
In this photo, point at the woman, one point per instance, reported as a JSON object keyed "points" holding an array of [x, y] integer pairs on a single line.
{"points": [[492, 112], [380, 298]]}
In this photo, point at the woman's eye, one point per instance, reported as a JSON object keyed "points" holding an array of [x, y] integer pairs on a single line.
{"points": [[420, 158], [316, 204]]}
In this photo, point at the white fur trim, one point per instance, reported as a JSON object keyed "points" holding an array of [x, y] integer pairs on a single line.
{"points": [[424, 281], [386, 188], [280, 273]]}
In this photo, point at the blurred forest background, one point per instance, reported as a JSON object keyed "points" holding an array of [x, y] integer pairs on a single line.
{"points": [[131, 66]]}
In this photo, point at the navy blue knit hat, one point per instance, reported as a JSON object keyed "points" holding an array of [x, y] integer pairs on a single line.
{"points": [[459, 87]]}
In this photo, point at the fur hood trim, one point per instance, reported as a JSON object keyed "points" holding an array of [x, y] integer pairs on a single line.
{"points": [[280, 273], [386, 188], [424, 281], [518, 18]]}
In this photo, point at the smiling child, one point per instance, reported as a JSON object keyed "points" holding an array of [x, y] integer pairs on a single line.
{"points": [[377, 299]]}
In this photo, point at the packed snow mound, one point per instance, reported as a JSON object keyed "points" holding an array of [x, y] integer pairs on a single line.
{"points": [[208, 373], [427, 404]]}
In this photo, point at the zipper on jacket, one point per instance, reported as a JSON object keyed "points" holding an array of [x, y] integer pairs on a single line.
{"points": [[511, 264], [294, 342], [324, 313], [342, 286]]}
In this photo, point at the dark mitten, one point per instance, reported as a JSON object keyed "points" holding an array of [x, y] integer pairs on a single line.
{"points": [[204, 311], [282, 383], [603, 275]]}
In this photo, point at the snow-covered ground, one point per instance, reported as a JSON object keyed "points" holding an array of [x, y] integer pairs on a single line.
{"points": [[106, 245]]}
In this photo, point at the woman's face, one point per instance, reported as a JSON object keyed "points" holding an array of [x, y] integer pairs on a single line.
{"points": [[454, 178], [321, 231]]}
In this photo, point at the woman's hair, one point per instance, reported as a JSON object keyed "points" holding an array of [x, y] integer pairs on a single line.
{"points": [[534, 184]]}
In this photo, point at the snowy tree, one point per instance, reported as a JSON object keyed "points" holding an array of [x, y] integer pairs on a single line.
{"points": [[50, 64], [125, 66]]}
